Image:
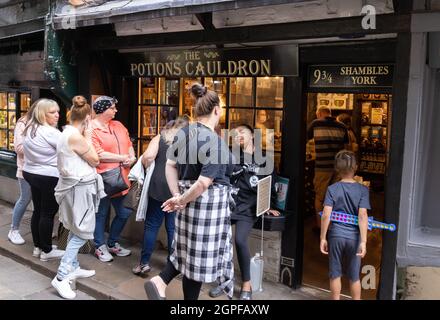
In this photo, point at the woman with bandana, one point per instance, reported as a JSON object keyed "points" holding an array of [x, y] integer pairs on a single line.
{"points": [[113, 145]]}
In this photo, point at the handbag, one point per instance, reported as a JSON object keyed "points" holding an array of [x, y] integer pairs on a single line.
{"points": [[131, 200], [113, 179], [63, 236]]}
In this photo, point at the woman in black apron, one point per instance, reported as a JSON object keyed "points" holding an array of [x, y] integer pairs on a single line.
{"points": [[245, 178], [198, 177]]}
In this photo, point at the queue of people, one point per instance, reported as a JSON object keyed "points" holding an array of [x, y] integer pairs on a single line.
{"points": [[84, 170]]}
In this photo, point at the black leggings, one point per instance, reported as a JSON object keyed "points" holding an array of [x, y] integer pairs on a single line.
{"points": [[191, 288], [242, 230], [45, 208]]}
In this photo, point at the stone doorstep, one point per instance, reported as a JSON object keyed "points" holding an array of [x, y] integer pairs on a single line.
{"points": [[93, 288]]}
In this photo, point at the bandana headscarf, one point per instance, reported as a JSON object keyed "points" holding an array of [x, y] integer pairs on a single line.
{"points": [[102, 103]]}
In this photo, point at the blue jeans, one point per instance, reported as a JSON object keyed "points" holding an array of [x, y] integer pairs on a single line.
{"points": [[22, 203], [118, 223], [153, 221], [69, 262]]}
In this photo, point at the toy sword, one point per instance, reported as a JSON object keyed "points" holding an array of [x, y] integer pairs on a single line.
{"points": [[354, 220]]}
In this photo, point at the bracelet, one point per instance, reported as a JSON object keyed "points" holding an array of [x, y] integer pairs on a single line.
{"points": [[85, 152]]}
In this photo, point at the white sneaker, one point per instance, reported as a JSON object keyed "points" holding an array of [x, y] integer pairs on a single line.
{"points": [[15, 237], [54, 254], [63, 288], [102, 254], [81, 273], [37, 251], [119, 251]]}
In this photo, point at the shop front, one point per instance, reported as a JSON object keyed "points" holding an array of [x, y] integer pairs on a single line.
{"points": [[252, 84], [360, 96], [278, 87]]}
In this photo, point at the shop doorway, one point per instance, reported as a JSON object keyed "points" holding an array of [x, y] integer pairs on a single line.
{"points": [[369, 116]]}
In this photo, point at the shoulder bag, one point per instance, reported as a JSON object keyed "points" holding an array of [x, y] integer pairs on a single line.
{"points": [[113, 179]]}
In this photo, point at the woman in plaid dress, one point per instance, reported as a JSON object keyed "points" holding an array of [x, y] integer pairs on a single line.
{"points": [[197, 172]]}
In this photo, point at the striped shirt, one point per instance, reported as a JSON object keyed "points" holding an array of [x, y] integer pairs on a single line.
{"points": [[330, 138]]}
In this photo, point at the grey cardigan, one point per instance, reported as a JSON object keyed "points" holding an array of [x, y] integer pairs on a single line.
{"points": [[79, 201]]}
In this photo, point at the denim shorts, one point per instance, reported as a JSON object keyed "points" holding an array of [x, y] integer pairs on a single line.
{"points": [[343, 259]]}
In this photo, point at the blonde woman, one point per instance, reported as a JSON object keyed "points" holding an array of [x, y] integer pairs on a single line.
{"points": [[40, 171], [25, 189], [157, 152]]}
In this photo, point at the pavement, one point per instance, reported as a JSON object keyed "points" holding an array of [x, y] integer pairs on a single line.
{"points": [[19, 282], [114, 280]]}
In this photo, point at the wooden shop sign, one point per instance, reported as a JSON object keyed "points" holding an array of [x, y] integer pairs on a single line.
{"points": [[351, 76], [248, 62]]}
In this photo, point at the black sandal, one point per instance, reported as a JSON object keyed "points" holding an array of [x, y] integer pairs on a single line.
{"points": [[152, 292]]}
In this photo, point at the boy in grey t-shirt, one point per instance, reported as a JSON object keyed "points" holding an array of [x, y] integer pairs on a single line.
{"points": [[346, 242]]}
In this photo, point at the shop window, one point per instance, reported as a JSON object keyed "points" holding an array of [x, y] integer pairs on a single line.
{"points": [[158, 104], [270, 92], [241, 92], [240, 116], [12, 104], [257, 102], [188, 99]]}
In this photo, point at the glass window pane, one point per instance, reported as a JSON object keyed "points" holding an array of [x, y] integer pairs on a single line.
{"points": [[25, 102], [3, 139], [218, 85], [169, 92], [3, 119], [166, 115], [148, 122], [240, 116], [11, 140], [148, 91], [270, 92], [188, 99], [3, 100], [11, 119], [11, 101], [241, 92], [270, 123]]}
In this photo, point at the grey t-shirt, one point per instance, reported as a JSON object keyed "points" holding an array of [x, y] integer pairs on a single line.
{"points": [[348, 198]]}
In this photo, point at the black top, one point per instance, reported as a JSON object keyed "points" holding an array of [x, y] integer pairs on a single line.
{"points": [[198, 151], [159, 189], [245, 177]]}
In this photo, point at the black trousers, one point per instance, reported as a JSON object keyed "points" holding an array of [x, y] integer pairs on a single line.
{"points": [[191, 288], [45, 208], [242, 230]]}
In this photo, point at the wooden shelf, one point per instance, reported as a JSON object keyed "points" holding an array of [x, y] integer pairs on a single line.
{"points": [[371, 172], [380, 161], [374, 125]]}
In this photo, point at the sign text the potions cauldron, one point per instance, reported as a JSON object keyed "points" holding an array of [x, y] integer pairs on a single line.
{"points": [[200, 64]]}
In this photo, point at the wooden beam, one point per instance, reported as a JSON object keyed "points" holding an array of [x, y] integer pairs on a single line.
{"points": [[341, 27], [12, 30], [205, 20], [97, 18], [393, 179]]}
